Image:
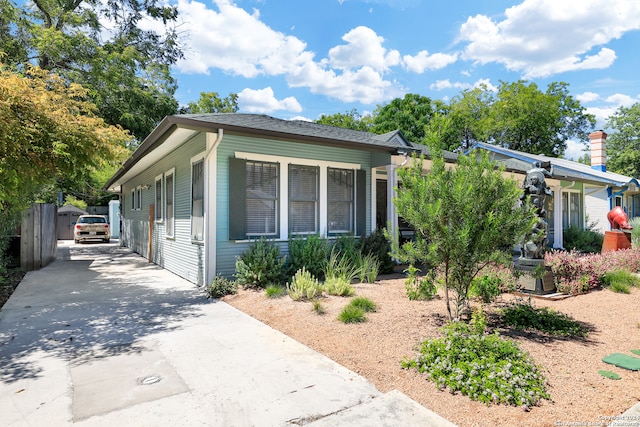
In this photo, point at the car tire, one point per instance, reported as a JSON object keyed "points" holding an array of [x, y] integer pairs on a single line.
{"points": [[76, 241], [106, 240]]}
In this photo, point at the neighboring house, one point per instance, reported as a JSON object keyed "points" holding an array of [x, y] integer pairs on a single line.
{"points": [[200, 188], [582, 194]]}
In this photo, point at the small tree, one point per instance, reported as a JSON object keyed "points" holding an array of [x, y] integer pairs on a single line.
{"points": [[461, 215]]}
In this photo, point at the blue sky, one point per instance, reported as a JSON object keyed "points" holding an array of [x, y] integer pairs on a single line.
{"points": [[303, 58]]}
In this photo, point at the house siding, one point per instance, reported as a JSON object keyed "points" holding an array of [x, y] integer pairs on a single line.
{"points": [[596, 203], [177, 254], [227, 250]]}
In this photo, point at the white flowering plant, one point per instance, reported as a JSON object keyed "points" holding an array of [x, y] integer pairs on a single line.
{"points": [[484, 367]]}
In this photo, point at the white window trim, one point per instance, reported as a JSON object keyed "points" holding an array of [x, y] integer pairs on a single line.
{"points": [[161, 207], [582, 212], [353, 205], [196, 159], [170, 172], [284, 163], [303, 233], [138, 198]]}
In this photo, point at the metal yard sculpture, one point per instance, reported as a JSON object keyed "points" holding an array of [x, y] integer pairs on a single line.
{"points": [[536, 190]]}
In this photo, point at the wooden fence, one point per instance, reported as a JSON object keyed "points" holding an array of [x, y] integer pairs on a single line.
{"points": [[38, 238]]}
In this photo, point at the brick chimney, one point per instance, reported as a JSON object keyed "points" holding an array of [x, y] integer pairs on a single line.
{"points": [[598, 150]]}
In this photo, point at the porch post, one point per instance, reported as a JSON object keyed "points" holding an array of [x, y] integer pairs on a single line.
{"points": [[557, 217], [210, 205], [392, 183]]}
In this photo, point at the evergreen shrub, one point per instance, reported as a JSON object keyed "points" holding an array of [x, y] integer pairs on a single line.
{"points": [[260, 265]]}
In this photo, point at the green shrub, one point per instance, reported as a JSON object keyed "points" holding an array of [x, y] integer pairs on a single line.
{"points": [[368, 267], [620, 280], [524, 316], [318, 307], [486, 368], [310, 252], [260, 265], [346, 246], [340, 265], [486, 288], [221, 286], [303, 286], [377, 244], [364, 303], [419, 288], [352, 314], [275, 291], [338, 286], [587, 240], [620, 288]]}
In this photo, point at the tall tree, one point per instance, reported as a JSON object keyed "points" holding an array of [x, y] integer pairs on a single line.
{"points": [[102, 46], [623, 144], [524, 118], [49, 132], [210, 102], [410, 114], [461, 217], [348, 120], [469, 114]]}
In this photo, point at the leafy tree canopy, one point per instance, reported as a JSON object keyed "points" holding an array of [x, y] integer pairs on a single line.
{"points": [[623, 145], [210, 102], [524, 118], [410, 114], [347, 120], [50, 133], [102, 46], [469, 117], [518, 116]]}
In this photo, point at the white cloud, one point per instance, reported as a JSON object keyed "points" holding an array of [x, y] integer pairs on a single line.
{"points": [[301, 118], [575, 150], [264, 101], [621, 100], [235, 41], [601, 114], [540, 38], [363, 48], [611, 104], [423, 61], [447, 84], [228, 38], [587, 97], [363, 85]]}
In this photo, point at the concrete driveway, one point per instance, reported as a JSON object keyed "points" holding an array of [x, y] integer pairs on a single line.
{"points": [[100, 337]]}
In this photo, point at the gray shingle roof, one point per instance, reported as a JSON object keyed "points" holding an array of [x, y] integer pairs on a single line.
{"points": [[292, 128]]}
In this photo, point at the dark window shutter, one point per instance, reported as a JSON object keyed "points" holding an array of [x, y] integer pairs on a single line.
{"points": [[361, 202], [237, 199]]}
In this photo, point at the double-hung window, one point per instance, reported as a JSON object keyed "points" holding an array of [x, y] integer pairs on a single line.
{"points": [[169, 184], [139, 198], [303, 199], [340, 200], [572, 209], [158, 205], [253, 199], [262, 198], [197, 200]]}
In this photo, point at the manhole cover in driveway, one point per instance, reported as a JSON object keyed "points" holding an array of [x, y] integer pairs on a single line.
{"points": [[110, 383]]}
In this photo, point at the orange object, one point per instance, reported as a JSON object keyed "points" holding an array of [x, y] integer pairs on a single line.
{"points": [[616, 240]]}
